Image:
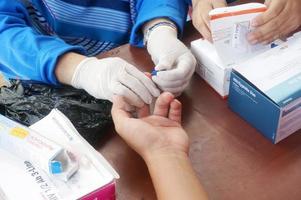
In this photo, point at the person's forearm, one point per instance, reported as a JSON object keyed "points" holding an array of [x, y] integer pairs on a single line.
{"points": [[173, 177], [66, 66]]}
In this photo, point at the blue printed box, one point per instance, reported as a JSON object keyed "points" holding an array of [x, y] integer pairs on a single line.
{"points": [[266, 91]]}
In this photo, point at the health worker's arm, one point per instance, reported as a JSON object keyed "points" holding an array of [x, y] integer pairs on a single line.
{"points": [[147, 10], [159, 24], [30, 55], [25, 53]]}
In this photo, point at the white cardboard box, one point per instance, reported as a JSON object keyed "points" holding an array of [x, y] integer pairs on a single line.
{"points": [[266, 90], [20, 179], [229, 26], [210, 67]]}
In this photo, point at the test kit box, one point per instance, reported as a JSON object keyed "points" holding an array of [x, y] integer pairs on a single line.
{"points": [[210, 67], [20, 178], [266, 90], [229, 28]]}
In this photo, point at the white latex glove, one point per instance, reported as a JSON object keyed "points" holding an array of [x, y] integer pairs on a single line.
{"points": [[103, 78], [171, 55]]}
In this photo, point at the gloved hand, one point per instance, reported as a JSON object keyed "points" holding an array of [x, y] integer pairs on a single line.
{"points": [[172, 58], [103, 78]]}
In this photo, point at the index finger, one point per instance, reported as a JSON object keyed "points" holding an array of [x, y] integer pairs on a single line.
{"points": [[162, 104]]}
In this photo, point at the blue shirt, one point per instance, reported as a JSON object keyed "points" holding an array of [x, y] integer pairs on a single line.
{"points": [[35, 33]]}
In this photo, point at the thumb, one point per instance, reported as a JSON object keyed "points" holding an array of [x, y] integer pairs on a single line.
{"points": [[165, 63]]}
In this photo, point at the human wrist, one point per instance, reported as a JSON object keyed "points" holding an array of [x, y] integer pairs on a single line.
{"points": [[81, 72], [173, 177], [66, 65], [154, 156], [159, 23]]}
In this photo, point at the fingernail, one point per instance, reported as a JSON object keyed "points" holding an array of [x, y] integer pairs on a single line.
{"points": [[254, 42]]}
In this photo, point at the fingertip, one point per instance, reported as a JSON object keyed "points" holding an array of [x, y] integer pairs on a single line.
{"points": [[149, 75], [210, 39], [120, 108], [207, 36], [168, 96], [164, 99], [176, 105], [162, 104], [266, 42]]}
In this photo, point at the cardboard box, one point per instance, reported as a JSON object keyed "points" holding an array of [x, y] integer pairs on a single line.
{"points": [[21, 179], [210, 67], [266, 90], [229, 27]]}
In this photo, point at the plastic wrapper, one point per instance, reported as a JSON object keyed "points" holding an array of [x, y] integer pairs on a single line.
{"points": [[27, 102]]}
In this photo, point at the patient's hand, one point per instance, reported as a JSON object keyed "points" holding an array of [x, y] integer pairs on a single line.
{"points": [[156, 133]]}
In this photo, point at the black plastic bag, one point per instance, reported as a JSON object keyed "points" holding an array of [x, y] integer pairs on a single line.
{"points": [[27, 102]]}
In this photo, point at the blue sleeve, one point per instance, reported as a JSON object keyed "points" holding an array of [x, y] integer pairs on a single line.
{"points": [[175, 10], [25, 53]]}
